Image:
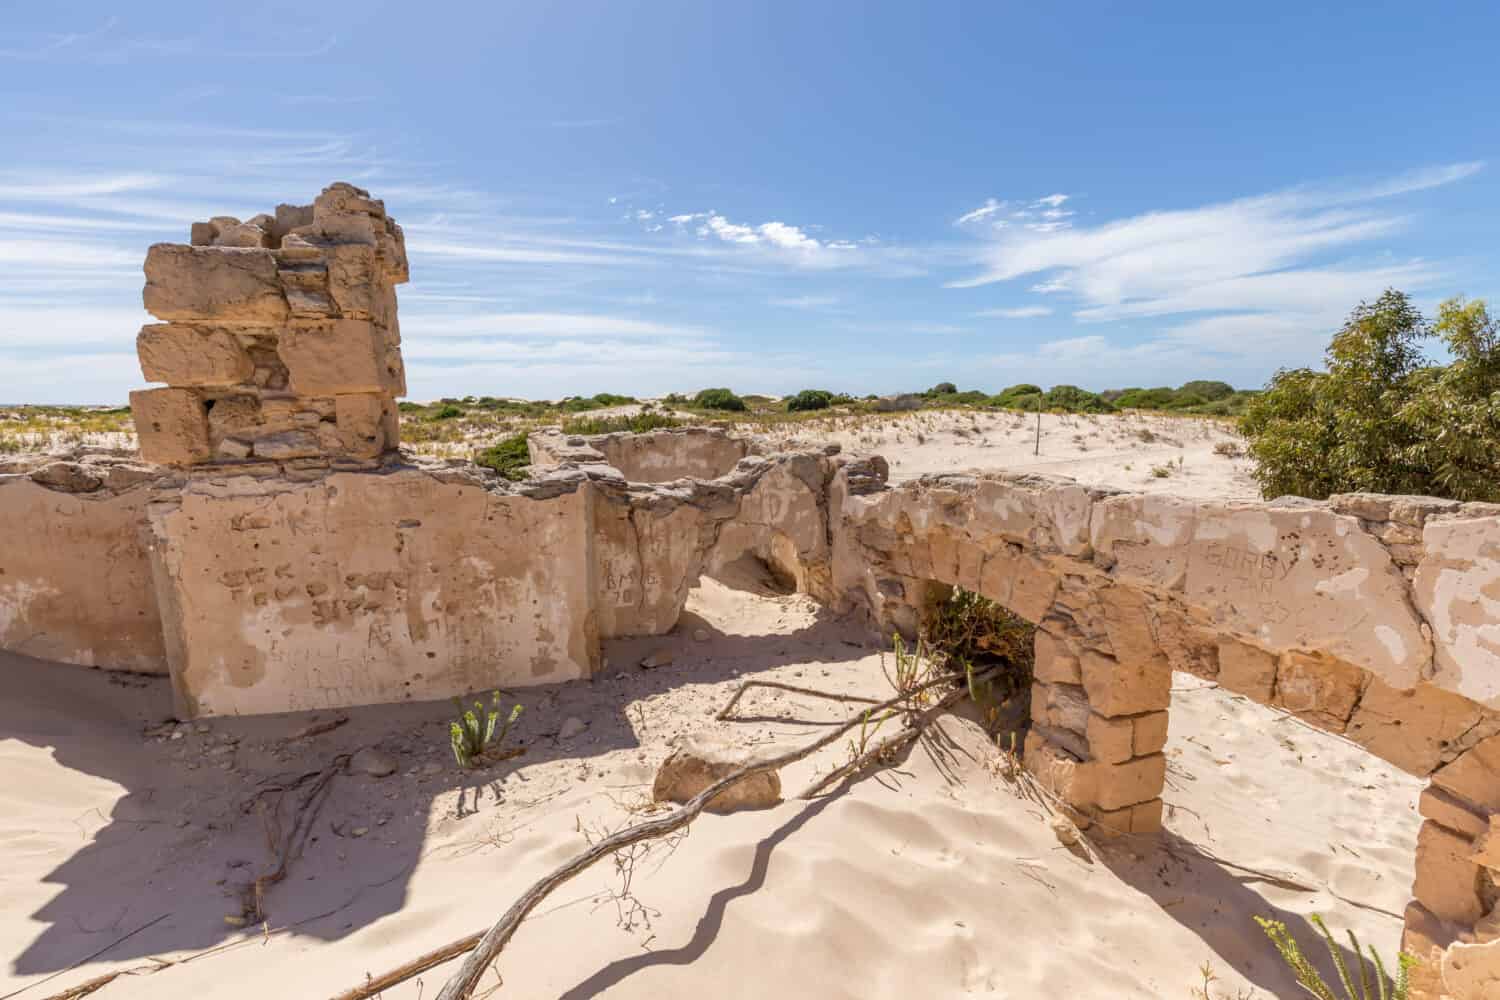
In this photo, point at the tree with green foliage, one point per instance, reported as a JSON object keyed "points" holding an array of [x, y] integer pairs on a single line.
{"points": [[941, 389], [810, 399], [719, 399], [1382, 418]]}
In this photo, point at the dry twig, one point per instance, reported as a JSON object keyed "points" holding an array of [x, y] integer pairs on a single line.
{"points": [[485, 947]]}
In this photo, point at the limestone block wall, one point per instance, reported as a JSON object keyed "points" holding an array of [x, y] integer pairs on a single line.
{"points": [[75, 577], [1373, 617], [280, 339]]}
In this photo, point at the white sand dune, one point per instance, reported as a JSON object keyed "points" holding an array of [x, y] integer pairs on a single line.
{"points": [[934, 878]]}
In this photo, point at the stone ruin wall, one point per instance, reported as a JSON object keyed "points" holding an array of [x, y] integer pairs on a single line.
{"points": [[283, 555], [658, 456], [1377, 618], [280, 341]]}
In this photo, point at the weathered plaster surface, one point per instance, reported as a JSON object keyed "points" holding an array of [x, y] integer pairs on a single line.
{"points": [[361, 588], [75, 581]]}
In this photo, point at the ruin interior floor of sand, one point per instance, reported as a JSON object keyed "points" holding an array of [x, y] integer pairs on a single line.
{"points": [[123, 839]]}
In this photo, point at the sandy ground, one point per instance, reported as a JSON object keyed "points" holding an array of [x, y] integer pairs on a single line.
{"points": [[126, 836], [1148, 452]]}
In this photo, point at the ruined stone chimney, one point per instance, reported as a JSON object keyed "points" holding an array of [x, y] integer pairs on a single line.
{"points": [[280, 339]]}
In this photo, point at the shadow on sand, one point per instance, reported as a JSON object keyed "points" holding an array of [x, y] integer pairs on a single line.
{"points": [[168, 831]]}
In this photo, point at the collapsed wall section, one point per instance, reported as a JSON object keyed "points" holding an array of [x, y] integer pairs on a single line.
{"points": [[658, 456]]}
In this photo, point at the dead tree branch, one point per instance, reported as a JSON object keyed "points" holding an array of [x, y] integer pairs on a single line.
{"points": [[485, 947]]}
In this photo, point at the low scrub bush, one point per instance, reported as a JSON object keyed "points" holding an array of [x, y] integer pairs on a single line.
{"points": [[810, 399], [509, 457], [635, 423], [448, 411], [719, 399]]}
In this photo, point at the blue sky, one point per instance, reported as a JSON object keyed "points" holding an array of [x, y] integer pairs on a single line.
{"points": [[650, 197]]}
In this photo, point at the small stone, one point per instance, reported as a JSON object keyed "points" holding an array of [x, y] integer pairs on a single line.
{"points": [[1064, 830], [432, 767], [705, 758], [700, 635], [571, 727], [359, 831], [659, 658], [235, 920], [376, 763], [202, 727]]}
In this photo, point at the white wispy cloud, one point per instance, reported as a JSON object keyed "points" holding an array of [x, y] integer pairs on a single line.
{"points": [[539, 325], [1263, 278], [980, 214], [806, 301], [1019, 312]]}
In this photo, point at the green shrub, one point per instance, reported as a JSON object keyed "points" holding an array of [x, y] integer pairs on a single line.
{"points": [[509, 457], [1383, 418], [719, 399], [941, 389], [1210, 391], [1018, 397], [448, 412], [809, 399], [1145, 399], [1071, 399], [963, 631], [636, 423]]}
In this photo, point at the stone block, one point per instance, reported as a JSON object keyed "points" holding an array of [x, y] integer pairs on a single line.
{"points": [[1128, 623], [172, 426], [1418, 729], [1441, 807], [1150, 733], [1318, 689], [288, 444], [182, 355], [1060, 706], [1055, 661], [1487, 846], [1141, 818], [1059, 772], [222, 284], [1111, 740], [345, 356], [1116, 688], [1474, 776], [1137, 780], [1447, 881], [1247, 670], [353, 280], [361, 426]]}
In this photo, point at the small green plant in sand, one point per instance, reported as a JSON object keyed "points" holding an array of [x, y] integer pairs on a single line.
{"points": [[474, 730], [1374, 983], [1206, 991]]}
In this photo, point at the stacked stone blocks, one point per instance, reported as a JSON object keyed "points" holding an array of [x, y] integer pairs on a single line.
{"points": [[280, 340]]}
